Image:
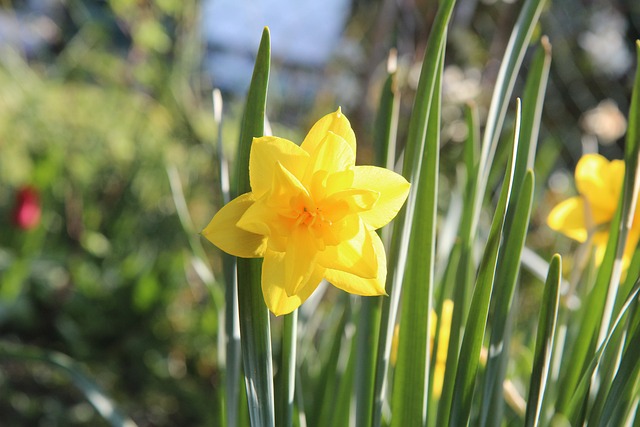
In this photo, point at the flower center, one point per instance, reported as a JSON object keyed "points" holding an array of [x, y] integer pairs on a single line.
{"points": [[311, 216]]}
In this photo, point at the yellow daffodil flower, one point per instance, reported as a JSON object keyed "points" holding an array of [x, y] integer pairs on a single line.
{"points": [[443, 344], [587, 216], [312, 215]]}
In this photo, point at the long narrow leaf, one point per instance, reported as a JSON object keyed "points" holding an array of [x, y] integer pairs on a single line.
{"points": [[411, 377], [253, 313], [479, 310], [577, 402], [626, 377], [368, 332], [233, 350], [287, 372], [326, 399], [532, 103], [340, 413], [509, 265], [402, 226], [515, 231], [465, 272], [505, 82], [544, 342], [509, 69]]}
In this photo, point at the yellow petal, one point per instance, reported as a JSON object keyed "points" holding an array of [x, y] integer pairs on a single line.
{"points": [[351, 201], [616, 175], [340, 230], [223, 232], [263, 219], [357, 256], [445, 330], [568, 218], [333, 154], [600, 182], [360, 286], [273, 281], [266, 151], [259, 218], [287, 194], [443, 347], [340, 181], [393, 189], [438, 379], [335, 122], [393, 357], [299, 259]]}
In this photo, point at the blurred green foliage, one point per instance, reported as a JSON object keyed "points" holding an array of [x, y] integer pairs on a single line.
{"points": [[106, 278]]}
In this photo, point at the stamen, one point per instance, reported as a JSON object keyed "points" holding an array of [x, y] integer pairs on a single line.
{"points": [[312, 218]]}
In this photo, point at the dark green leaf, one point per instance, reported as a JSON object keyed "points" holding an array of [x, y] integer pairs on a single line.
{"points": [[253, 314], [544, 342]]}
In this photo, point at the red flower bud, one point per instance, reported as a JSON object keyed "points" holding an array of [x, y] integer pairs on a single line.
{"points": [[26, 214]]}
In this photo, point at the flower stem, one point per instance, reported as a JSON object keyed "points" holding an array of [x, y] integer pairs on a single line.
{"points": [[284, 413]]}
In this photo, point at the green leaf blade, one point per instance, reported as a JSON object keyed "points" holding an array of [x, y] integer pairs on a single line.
{"points": [[476, 324], [544, 342], [511, 62], [508, 266], [253, 314], [411, 398]]}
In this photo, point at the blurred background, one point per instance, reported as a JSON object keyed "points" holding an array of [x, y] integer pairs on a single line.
{"points": [[107, 136]]}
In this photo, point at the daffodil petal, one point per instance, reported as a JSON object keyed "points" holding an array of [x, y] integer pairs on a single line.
{"points": [[266, 152], [275, 211], [353, 200], [259, 218], [361, 286], [287, 192], [445, 330], [438, 378], [600, 182], [341, 230], [335, 122], [273, 279], [393, 189], [443, 346], [568, 218], [299, 260], [223, 232], [340, 181], [333, 154], [616, 174], [357, 256], [393, 357], [263, 219]]}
